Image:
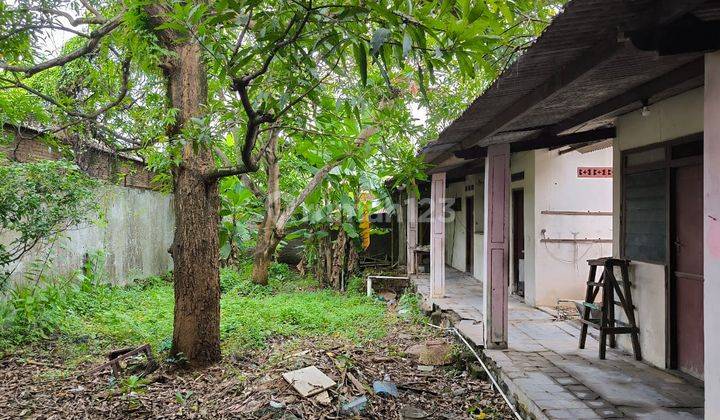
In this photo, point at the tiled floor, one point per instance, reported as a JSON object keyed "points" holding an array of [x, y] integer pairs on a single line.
{"points": [[551, 378]]}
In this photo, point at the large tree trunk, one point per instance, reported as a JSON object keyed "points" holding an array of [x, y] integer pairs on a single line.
{"points": [[195, 250]]}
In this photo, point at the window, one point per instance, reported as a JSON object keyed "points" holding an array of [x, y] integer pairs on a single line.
{"points": [[646, 197]]}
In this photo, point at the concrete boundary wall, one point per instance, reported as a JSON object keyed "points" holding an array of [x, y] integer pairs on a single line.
{"points": [[131, 236]]}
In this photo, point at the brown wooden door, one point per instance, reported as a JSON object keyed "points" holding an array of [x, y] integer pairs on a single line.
{"points": [[518, 239], [470, 229], [687, 268]]}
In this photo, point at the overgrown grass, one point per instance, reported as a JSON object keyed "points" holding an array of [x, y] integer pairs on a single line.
{"points": [[83, 314]]}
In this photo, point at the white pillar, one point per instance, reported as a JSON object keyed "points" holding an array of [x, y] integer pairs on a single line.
{"points": [[497, 245], [437, 236], [412, 231], [711, 186]]}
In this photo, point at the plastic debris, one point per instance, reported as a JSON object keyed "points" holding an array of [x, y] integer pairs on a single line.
{"points": [[385, 388], [355, 406]]}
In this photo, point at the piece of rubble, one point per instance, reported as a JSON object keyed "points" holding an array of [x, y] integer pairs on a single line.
{"points": [[387, 296], [386, 388], [356, 383], [409, 412], [308, 381], [437, 354], [323, 398], [425, 368], [415, 350], [459, 391]]}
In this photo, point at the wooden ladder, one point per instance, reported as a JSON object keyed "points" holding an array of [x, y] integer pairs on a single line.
{"points": [[607, 324]]}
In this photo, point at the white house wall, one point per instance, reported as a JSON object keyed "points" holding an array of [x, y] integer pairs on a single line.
{"points": [[561, 269], [479, 228], [675, 117], [456, 229], [525, 162]]}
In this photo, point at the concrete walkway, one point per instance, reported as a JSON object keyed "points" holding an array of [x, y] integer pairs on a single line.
{"points": [[550, 378]]}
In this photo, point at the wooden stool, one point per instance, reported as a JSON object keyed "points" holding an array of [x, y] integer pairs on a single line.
{"points": [[607, 324]]}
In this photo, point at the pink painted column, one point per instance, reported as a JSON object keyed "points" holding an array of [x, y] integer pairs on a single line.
{"points": [[437, 236], [711, 186], [412, 231], [497, 245]]}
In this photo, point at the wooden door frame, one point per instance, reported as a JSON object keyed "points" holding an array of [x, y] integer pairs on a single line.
{"points": [[670, 165]]}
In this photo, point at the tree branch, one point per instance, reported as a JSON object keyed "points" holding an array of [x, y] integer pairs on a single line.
{"points": [[89, 47], [97, 20], [121, 95], [318, 177], [240, 39], [91, 9], [249, 163], [244, 178], [277, 47]]}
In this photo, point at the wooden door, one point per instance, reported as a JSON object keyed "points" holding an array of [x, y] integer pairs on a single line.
{"points": [[687, 268], [518, 239], [470, 233]]}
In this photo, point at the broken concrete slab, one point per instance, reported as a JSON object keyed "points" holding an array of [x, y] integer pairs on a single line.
{"points": [[323, 398], [308, 381]]}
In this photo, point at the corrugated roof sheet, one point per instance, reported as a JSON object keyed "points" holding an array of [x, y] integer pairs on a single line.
{"points": [[583, 29]]}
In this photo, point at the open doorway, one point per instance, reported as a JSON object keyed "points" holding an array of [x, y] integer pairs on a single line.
{"points": [[518, 244], [469, 237]]}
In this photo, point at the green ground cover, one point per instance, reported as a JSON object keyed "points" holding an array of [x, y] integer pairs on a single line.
{"points": [[82, 315]]}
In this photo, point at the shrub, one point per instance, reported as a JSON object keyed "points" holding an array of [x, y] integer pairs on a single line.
{"points": [[38, 201]]}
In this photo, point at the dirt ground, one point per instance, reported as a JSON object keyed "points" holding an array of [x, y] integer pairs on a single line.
{"points": [[251, 386]]}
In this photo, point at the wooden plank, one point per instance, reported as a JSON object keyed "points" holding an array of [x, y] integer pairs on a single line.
{"points": [[580, 241], [412, 232], [549, 140], [437, 235], [576, 213], [497, 245]]}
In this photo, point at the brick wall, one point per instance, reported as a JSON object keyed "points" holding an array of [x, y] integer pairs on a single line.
{"points": [[97, 163]]}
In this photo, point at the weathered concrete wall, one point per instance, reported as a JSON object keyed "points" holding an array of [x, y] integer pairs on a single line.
{"points": [[675, 117], [456, 230], [561, 269], [524, 162], [712, 235], [134, 236], [479, 224]]}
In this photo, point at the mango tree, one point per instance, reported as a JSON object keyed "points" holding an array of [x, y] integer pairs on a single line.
{"points": [[171, 78]]}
